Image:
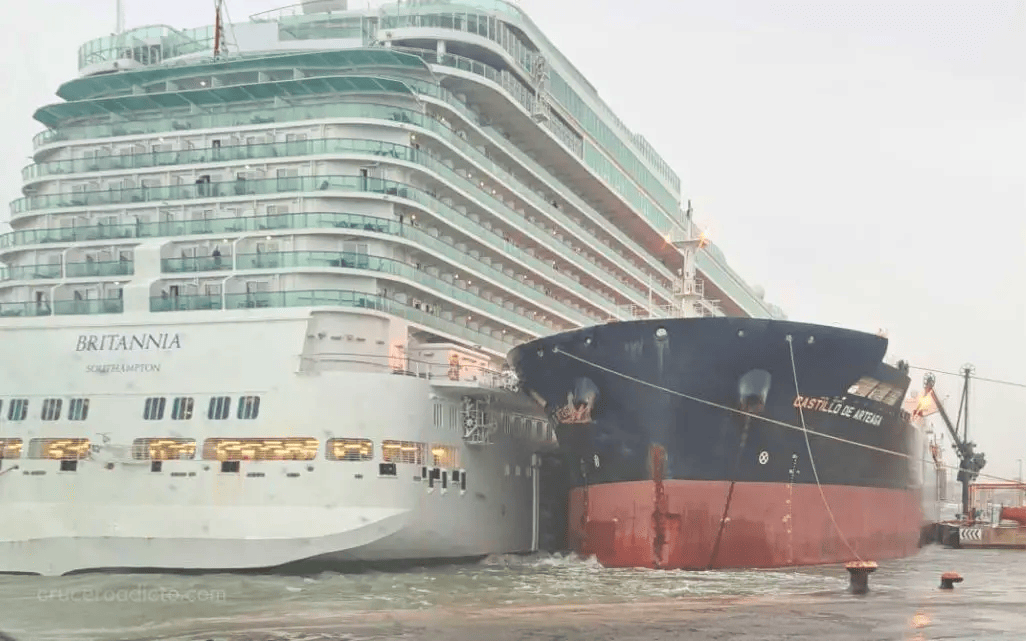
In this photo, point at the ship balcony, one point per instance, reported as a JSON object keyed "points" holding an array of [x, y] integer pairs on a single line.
{"points": [[189, 264], [185, 120], [32, 272], [242, 152], [373, 186], [652, 226], [220, 228], [87, 269], [323, 260], [90, 269], [69, 307], [478, 189], [208, 190]]}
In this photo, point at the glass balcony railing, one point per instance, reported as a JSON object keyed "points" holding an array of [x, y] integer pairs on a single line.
{"points": [[184, 303], [266, 115], [246, 187], [63, 307], [146, 45], [105, 268], [33, 272], [195, 264], [93, 306], [25, 309], [332, 298], [374, 111], [271, 115], [228, 226], [352, 260], [73, 270], [344, 145], [348, 184]]}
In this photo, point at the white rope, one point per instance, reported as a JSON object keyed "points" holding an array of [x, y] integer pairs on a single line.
{"points": [[728, 408], [812, 460]]}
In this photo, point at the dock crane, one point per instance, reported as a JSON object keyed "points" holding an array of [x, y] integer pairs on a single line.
{"points": [[970, 462]]}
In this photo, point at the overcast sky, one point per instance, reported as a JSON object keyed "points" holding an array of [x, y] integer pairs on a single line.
{"points": [[864, 161]]}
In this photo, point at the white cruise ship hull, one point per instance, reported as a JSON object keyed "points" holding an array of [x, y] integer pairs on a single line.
{"points": [[114, 510]]}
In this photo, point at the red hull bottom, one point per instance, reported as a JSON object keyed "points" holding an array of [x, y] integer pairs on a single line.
{"points": [[677, 524]]}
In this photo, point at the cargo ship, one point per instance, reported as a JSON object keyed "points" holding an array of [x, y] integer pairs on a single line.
{"points": [[730, 442]]}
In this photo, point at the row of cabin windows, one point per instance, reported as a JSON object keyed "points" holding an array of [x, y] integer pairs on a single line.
{"points": [[78, 409], [218, 409], [244, 449], [153, 410]]}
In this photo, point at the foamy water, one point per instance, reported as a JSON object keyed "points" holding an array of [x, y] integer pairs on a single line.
{"points": [[103, 606]]}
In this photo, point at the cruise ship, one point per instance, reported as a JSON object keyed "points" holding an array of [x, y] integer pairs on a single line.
{"points": [[258, 292]]}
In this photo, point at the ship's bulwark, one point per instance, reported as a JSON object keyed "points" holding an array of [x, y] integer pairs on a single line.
{"points": [[686, 441]]}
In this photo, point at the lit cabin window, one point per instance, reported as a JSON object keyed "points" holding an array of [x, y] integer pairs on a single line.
{"points": [[260, 449], [10, 448], [349, 449], [444, 456], [52, 409], [163, 449], [181, 409], [249, 407], [17, 409], [402, 452], [63, 449], [219, 408], [78, 409], [154, 408]]}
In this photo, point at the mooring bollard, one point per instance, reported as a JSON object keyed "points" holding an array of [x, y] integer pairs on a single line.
{"points": [[859, 572], [949, 579]]}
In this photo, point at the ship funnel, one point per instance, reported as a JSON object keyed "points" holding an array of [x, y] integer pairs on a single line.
{"points": [[324, 6]]}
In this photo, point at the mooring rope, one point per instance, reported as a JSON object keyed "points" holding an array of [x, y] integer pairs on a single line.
{"points": [[772, 421], [727, 407], [812, 460]]}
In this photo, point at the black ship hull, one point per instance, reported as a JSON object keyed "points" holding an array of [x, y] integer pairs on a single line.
{"points": [[689, 447]]}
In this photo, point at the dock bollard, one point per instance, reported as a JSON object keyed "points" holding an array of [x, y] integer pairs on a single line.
{"points": [[949, 579], [859, 572]]}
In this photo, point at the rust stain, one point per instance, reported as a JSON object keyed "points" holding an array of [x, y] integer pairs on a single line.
{"points": [[660, 508]]}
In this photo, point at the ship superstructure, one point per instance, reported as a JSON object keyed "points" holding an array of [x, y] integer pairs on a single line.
{"points": [[259, 287]]}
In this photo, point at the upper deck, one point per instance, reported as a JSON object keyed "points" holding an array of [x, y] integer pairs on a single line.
{"points": [[135, 130]]}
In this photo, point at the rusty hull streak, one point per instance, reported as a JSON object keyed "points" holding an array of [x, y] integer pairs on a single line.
{"points": [[660, 508]]}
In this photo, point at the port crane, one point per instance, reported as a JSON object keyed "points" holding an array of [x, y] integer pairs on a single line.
{"points": [[970, 462]]}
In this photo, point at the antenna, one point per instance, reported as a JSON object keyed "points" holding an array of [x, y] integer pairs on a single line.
{"points": [[218, 27]]}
